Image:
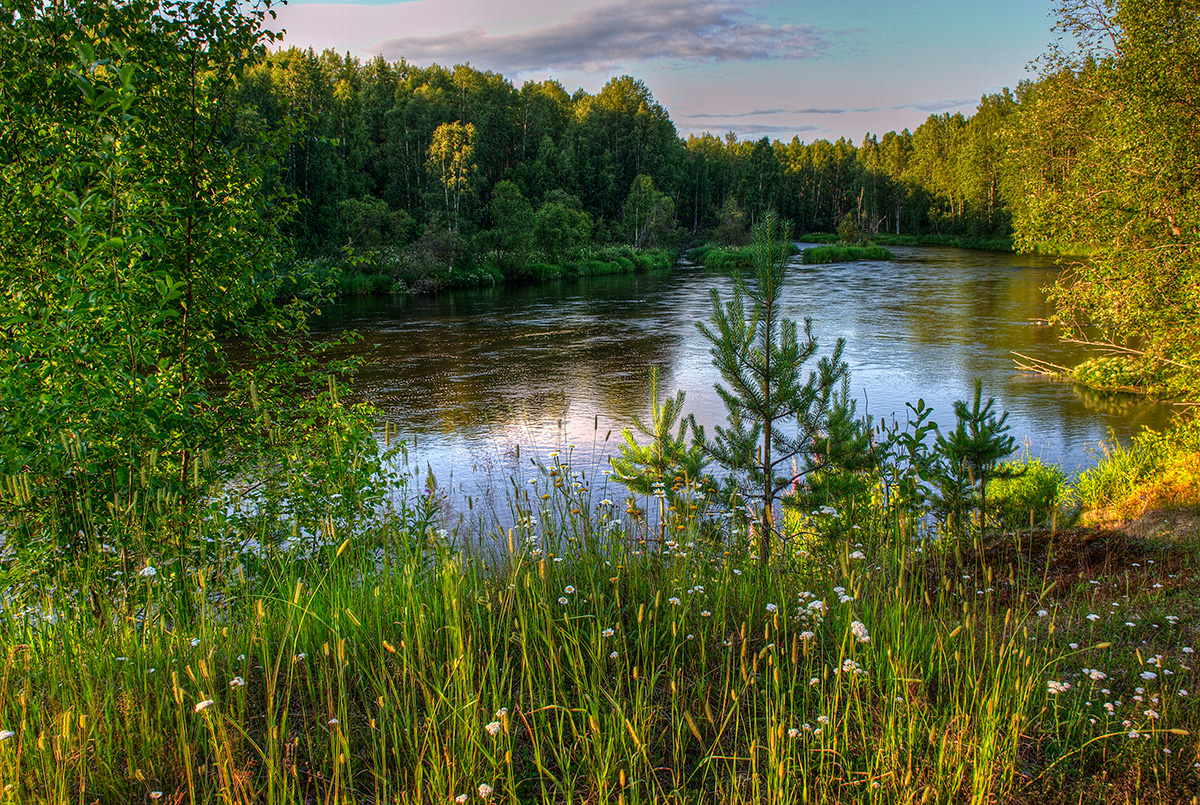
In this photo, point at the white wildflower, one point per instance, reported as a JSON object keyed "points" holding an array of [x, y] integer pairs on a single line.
{"points": [[204, 705], [492, 727], [860, 631]]}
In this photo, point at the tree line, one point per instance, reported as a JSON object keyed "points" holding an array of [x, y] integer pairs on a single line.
{"points": [[388, 152]]}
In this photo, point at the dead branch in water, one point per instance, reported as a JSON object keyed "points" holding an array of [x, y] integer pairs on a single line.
{"points": [[1041, 367]]}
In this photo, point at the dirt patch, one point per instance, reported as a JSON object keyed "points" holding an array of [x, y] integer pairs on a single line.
{"points": [[1159, 548]]}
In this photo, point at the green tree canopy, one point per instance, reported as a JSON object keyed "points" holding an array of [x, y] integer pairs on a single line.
{"points": [[1105, 163]]}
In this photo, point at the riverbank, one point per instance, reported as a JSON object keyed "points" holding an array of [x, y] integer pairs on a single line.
{"points": [[383, 273], [596, 654], [818, 255], [1004, 244]]}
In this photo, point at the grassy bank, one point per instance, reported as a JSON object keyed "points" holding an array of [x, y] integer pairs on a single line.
{"points": [[884, 239], [816, 255], [386, 273], [728, 258], [605, 652]]}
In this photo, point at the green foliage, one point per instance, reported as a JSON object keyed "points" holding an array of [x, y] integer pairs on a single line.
{"points": [[815, 255], [1098, 160], [908, 464], [970, 457], [512, 229], [1116, 373], [452, 162], [667, 461], [368, 223], [773, 416], [144, 355], [560, 229], [848, 231], [1160, 468], [649, 214], [1029, 494], [842, 470], [732, 228], [727, 259]]}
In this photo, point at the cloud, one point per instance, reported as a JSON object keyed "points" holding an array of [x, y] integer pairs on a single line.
{"points": [[621, 32], [921, 106]]}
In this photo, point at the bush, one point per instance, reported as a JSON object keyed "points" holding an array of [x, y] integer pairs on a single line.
{"points": [[844, 254], [1029, 493], [1114, 373], [728, 259], [1157, 469]]}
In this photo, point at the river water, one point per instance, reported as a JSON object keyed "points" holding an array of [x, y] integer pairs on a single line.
{"points": [[477, 382]]}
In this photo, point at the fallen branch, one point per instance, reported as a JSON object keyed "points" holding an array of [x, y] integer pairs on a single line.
{"points": [[1041, 367]]}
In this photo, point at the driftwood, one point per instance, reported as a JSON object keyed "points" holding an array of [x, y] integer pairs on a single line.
{"points": [[1041, 367]]}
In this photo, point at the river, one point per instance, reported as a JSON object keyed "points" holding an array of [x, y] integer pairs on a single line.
{"points": [[479, 381]]}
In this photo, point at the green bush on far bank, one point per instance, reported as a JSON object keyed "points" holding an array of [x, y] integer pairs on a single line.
{"points": [[390, 271], [728, 258], [843, 254]]}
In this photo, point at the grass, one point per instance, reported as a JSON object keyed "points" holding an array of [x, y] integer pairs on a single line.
{"points": [[1157, 470], [844, 254], [606, 652], [728, 258], [1003, 244]]}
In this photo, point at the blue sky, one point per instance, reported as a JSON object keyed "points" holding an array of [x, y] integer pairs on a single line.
{"points": [[755, 67]]}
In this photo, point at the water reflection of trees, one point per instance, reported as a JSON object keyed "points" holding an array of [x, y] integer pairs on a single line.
{"points": [[503, 363], [524, 364]]}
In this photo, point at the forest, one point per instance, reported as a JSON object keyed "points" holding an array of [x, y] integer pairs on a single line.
{"points": [[419, 178], [389, 153]]}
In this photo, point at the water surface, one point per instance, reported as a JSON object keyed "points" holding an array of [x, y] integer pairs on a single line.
{"points": [[476, 377]]}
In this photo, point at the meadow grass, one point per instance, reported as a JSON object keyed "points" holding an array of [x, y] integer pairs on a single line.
{"points": [[601, 651]]}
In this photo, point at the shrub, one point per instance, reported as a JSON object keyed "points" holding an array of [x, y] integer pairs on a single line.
{"points": [[844, 254], [1029, 493], [1158, 468]]}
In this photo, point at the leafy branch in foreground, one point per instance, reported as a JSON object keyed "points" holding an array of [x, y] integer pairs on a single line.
{"points": [[142, 346]]}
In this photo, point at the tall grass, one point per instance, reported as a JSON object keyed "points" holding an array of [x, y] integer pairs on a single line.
{"points": [[1158, 469], [599, 651]]}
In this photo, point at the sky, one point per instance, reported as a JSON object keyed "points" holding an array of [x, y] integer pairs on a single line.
{"points": [[815, 69]]}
